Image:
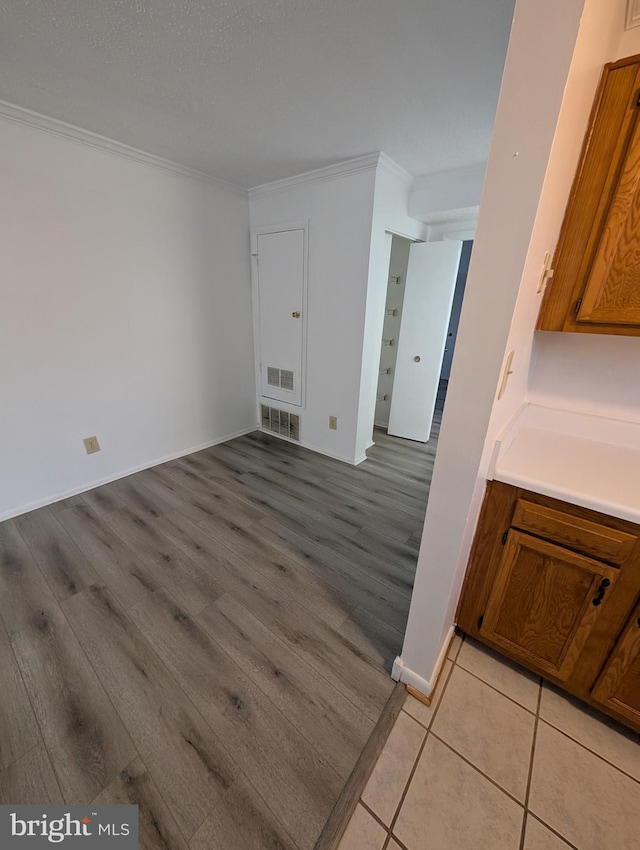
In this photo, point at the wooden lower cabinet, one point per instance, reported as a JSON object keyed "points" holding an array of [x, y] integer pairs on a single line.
{"points": [[555, 587], [540, 608], [618, 686]]}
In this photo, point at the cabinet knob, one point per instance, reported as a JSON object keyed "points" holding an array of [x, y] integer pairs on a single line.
{"points": [[416, 358], [295, 315], [604, 584]]}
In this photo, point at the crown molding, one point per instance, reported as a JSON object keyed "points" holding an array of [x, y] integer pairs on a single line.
{"points": [[46, 124], [391, 167], [358, 164], [633, 14]]}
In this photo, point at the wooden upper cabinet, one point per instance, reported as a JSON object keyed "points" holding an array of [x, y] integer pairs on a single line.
{"points": [[596, 282], [618, 687], [544, 602]]}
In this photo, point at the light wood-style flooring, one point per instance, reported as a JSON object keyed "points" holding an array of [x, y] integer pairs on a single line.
{"points": [[210, 639]]}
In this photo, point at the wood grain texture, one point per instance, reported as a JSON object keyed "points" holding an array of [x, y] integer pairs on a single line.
{"points": [[157, 829], [87, 742], [296, 782], [188, 762], [167, 565], [535, 592], [327, 719], [378, 640], [18, 727], [618, 686], [607, 141], [66, 569], [209, 639], [612, 289], [242, 820], [118, 566], [594, 539], [540, 607], [335, 826], [348, 578], [30, 780]]}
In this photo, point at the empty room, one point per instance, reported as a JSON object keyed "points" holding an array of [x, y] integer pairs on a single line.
{"points": [[320, 424]]}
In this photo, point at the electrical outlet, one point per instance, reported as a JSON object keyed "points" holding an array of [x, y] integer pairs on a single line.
{"points": [[91, 444], [333, 423]]}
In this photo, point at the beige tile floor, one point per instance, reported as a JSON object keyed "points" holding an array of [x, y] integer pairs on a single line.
{"points": [[500, 761]]}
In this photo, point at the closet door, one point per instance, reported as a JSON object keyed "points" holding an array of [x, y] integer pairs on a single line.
{"points": [[428, 295], [281, 319]]}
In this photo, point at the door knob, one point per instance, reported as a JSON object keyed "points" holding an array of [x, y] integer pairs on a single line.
{"points": [[416, 359], [295, 315]]}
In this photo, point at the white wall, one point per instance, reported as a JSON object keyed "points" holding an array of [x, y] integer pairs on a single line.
{"points": [[339, 208], [601, 25], [457, 189], [351, 208], [390, 215], [522, 204], [125, 313], [588, 373]]}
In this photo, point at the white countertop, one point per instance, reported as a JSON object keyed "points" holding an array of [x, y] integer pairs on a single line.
{"points": [[586, 460]]}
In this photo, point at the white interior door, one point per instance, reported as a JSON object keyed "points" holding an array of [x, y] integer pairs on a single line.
{"points": [[280, 314], [428, 296]]}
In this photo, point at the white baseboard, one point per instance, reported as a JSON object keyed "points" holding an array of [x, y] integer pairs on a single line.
{"points": [[58, 497], [404, 674], [351, 461]]}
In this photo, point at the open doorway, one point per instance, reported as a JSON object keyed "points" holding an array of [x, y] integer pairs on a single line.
{"points": [[419, 335]]}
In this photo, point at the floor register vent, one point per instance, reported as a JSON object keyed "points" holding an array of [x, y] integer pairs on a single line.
{"points": [[280, 422]]}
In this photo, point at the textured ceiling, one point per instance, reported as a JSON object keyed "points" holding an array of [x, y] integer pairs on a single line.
{"points": [[255, 90]]}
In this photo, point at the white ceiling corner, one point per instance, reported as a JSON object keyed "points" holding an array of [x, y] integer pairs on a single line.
{"points": [[318, 175], [253, 91]]}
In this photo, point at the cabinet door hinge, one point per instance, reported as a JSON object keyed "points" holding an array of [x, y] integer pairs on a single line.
{"points": [[504, 537], [480, 621], [576, 309]]}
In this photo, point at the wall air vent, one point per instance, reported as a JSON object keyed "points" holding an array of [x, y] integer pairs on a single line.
{"points": [[286, 380], [280, 422], [282, 378], [273, 376]]}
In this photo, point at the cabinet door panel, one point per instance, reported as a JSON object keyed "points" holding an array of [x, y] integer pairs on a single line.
{"points": [[541, 607], [612, 291], [600, 541], [618, 687], [594, 288]]}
